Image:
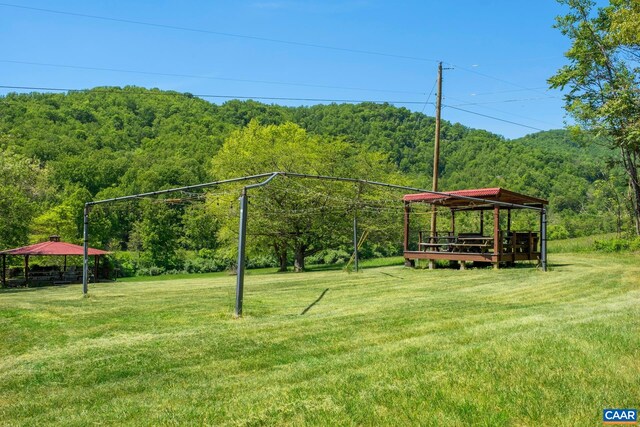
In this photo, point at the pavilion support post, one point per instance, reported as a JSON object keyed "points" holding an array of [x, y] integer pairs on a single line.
{"points": [[242, 238], [453, 222], [543, 239], [407, 214], [434, 224], [481, 222], [407, 211], [508, 221], [433, 232], [4, 271], [64, 268], [26, 270], [497, 237], [96, 266], [85, 264]]}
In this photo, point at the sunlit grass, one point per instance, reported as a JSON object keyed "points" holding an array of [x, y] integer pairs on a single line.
{"points": [[578, 244], [387, 345]]}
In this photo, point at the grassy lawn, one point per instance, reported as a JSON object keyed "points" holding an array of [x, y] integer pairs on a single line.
{"points": [[388, 345]]}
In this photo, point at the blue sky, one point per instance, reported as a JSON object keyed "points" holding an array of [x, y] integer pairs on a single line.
{"points": [[501, 52]]}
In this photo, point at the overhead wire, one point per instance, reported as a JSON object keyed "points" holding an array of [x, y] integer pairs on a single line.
{"points": [[493, 118], [173, 93], [268, 98], [502, 101], [218, 33], [313, 45], [499, 79], [154, 73], [259, 38], [499, 111]]}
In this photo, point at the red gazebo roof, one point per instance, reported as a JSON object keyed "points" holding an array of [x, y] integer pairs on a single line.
{"points": [[52, 248], [497, 194]]}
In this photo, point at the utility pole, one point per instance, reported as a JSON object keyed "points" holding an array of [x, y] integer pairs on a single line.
{"points": [[436, 159]]}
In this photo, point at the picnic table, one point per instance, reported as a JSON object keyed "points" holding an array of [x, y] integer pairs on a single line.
{"points": [[512, 242]]}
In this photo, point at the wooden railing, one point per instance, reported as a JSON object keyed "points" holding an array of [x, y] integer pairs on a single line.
{"points": [[510, 243]]}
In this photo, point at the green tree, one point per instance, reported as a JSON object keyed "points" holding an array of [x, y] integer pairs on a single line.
{"points": [[22, 186], [289, 215], [157, 235], [65, 219], [604, 85]]}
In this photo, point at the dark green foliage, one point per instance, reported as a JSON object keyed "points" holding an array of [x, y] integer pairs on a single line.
{"points": [[617, 245], [603, 79], [59, 150]]}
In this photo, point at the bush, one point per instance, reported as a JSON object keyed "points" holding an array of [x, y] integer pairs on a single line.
{"points": [[124, 262], [262, 261], [150, 271], [204, 265], [336, 256], [617, 245], [557, 232]]}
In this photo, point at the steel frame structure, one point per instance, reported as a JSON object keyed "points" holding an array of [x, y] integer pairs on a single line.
{"points": [[268, 178]]}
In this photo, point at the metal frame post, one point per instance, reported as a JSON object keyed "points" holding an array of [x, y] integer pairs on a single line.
{"points": [[355, 242], [242, 239], [85, 264], [543, 239]]}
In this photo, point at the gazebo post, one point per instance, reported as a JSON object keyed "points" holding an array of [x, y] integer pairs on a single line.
{"points": [[407, 214], [453, 222], [481, 222], [496, 236], [96, 263], [509, 220], [407, 211], [4, 270], [543, 239], [26, 270]]}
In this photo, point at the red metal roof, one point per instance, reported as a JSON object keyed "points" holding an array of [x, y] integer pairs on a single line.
{"points": [[52, 248], [449, 198]]}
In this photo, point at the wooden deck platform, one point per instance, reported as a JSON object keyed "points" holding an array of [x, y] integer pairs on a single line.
{"points": [[470, 256]]}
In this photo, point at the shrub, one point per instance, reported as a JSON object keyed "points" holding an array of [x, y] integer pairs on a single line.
{"points": [[150, 271], [262, 261], [336, 256], [557, 232], [617, 245], [124, 262], [204, 265]]}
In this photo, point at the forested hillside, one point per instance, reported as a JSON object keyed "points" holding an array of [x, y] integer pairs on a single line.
{"points": [[61, 150]]}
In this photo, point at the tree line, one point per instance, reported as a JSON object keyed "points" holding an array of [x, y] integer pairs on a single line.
{"points": [[58, 151]]}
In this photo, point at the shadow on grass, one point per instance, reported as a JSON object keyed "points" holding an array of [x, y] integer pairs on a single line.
{"points": [[391, 275], [315, 302], [16, 290]]}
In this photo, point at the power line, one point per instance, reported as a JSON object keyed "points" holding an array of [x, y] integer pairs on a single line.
{"points": [[504, 101], [264, 39], [172, 93], [495, 78], [510, 91], [218, 33], [502, 111], [494, 118], [154, 73], [263, 98]]}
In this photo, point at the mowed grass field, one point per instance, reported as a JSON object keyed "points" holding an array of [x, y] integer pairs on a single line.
{"points": [[386, 346]]}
